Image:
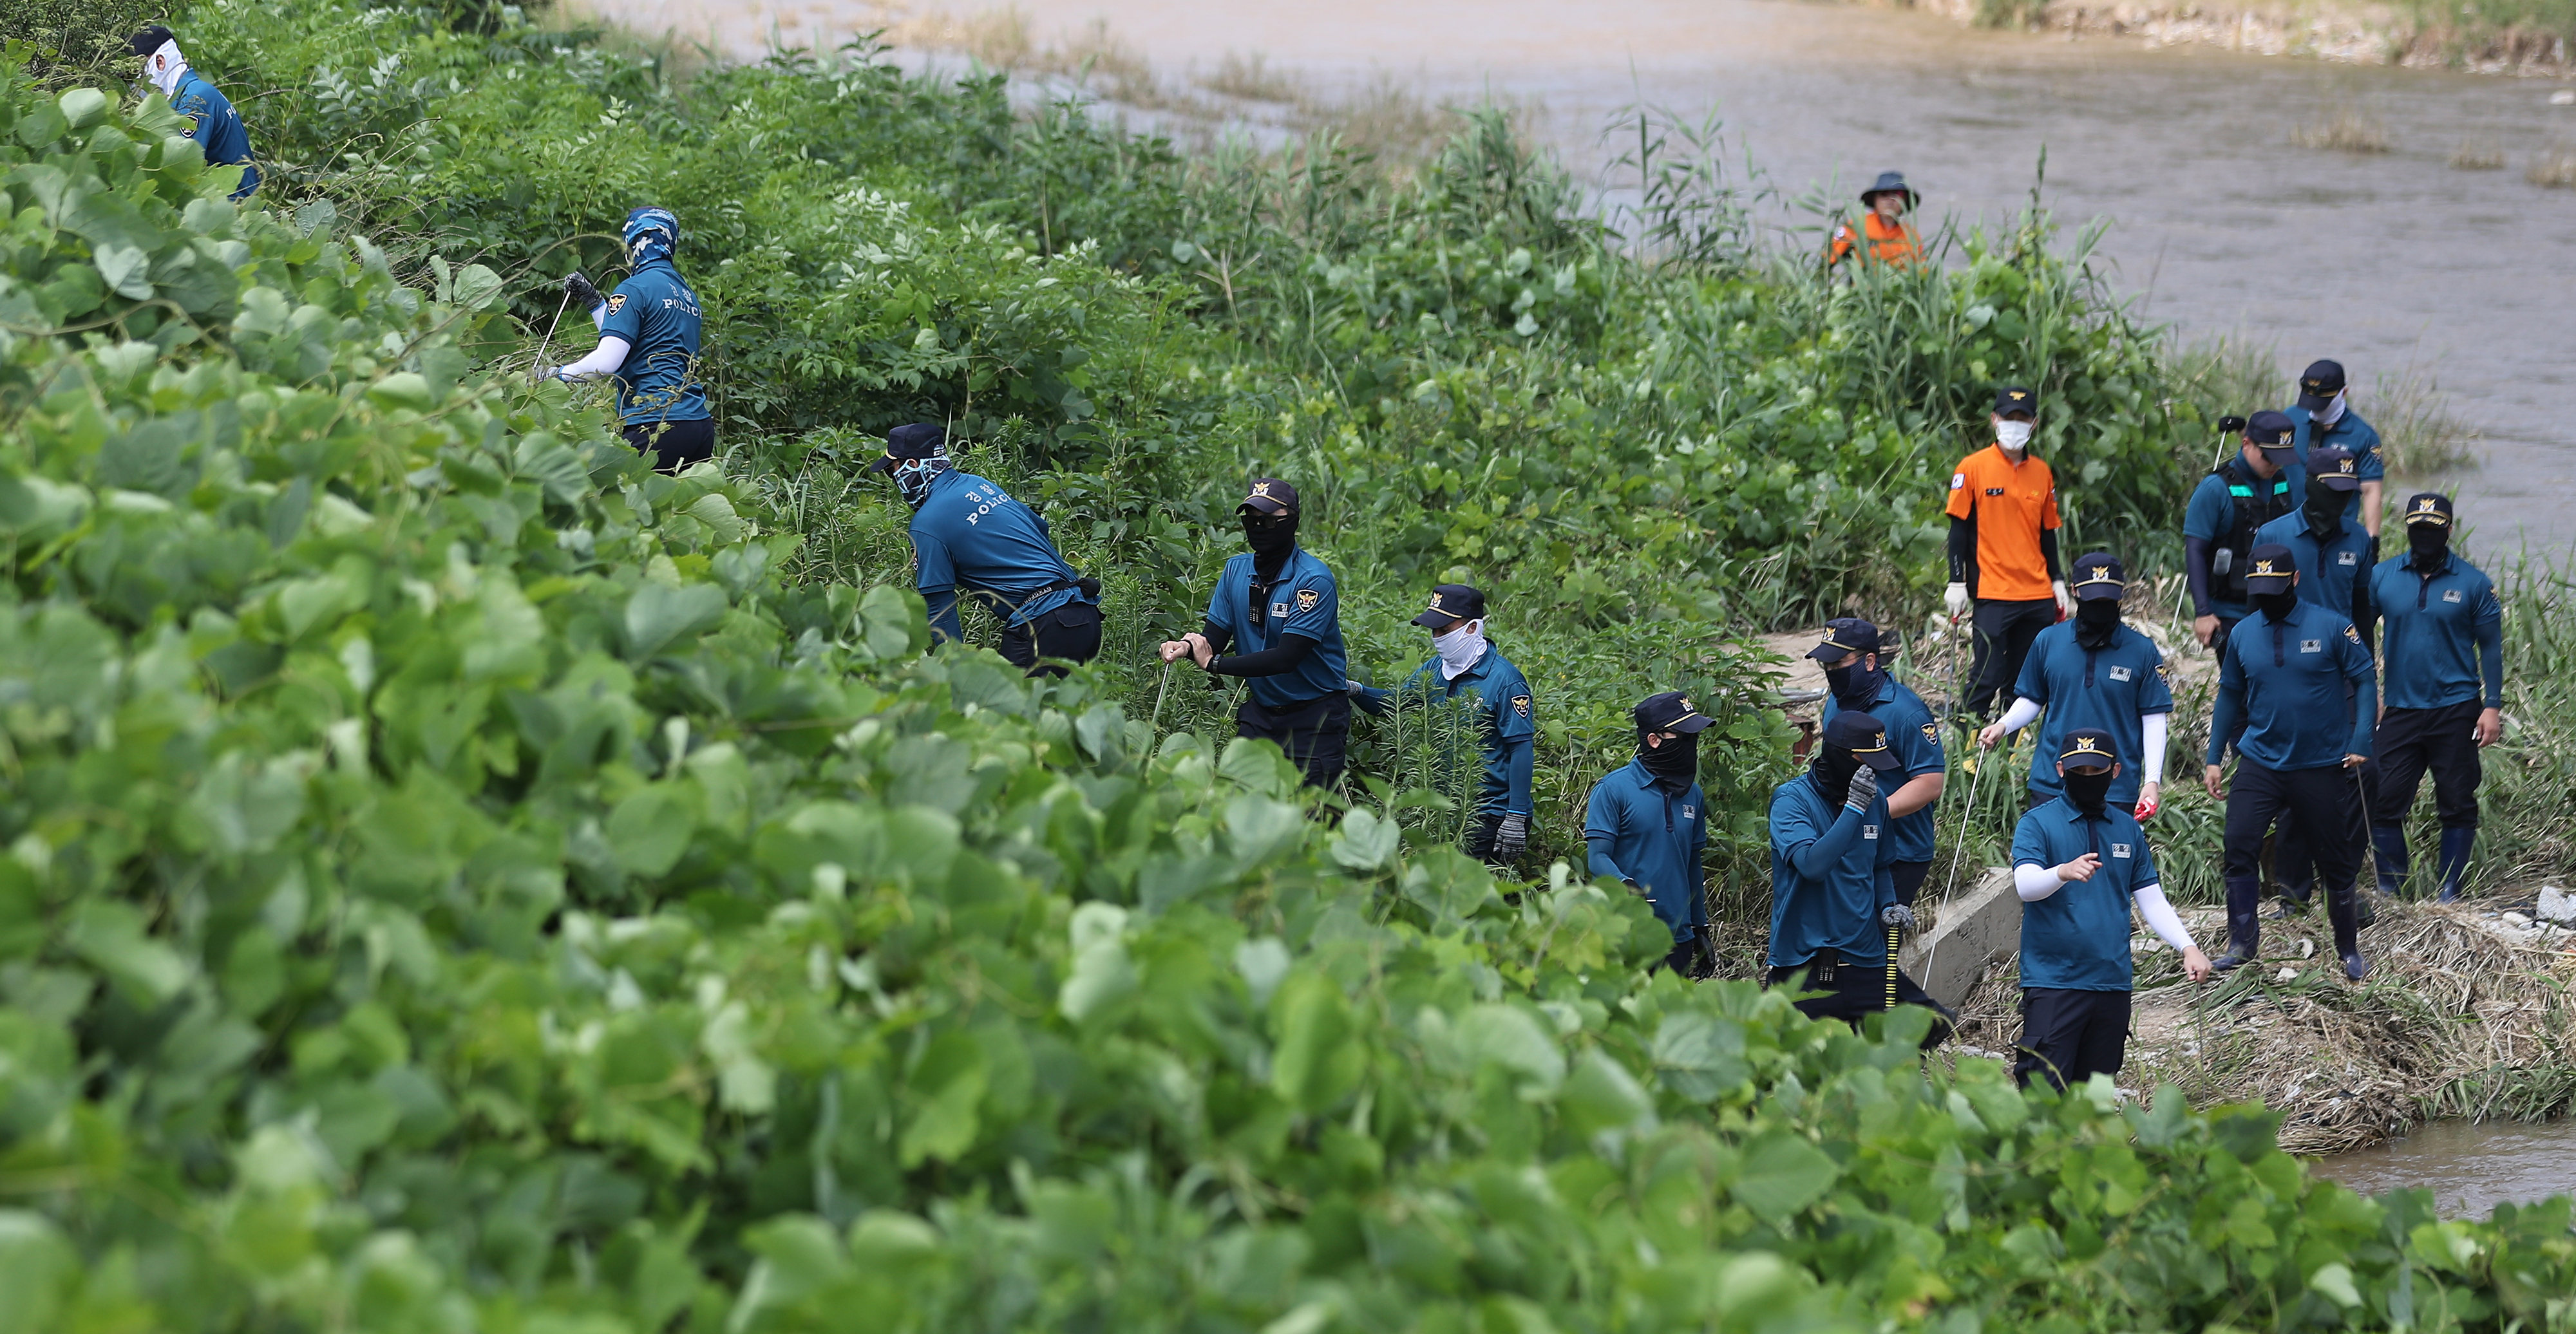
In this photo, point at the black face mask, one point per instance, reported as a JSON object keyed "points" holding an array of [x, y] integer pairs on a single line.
{"points": [[2276, 606], [1270, 534], [2087, 792], [2095, 620], [2431, 543], [1854, 686], [1833, 768], [1675, 763], [2325, 512]]}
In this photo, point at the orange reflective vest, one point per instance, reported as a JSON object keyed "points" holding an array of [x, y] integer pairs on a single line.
{"points": [[1888, 243]]}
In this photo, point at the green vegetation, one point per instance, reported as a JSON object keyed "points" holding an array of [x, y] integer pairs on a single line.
{"points": [[457, 880]]}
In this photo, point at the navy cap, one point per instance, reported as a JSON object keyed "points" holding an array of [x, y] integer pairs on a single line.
{"points": [[1844, 636], [2268, 568], [2331, 466], [2013, 398], [920, 440], [2319, 383], [2097, 574], [2271, 432], [1451, 603], [149, 40], [2086, 746], [1269, 495], [1891, 182], [1670, 711], [1863, 736], [2429, 507]]}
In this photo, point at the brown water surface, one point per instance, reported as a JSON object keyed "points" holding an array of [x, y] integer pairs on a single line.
{"points": [[2392, 262], [2470, 1168]]}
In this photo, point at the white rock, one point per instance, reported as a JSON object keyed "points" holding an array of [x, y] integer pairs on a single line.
{"points": [[2287, 975], [2307, 949], [2558, 905], [2517, 921]]}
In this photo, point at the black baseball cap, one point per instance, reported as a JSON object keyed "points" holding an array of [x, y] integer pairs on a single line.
{"points": [[1451, 603], [1845, 635], [2331, 466], [920, 440], [2086, 746], [2013, 398], [1891, 182], [1269, 495], [2429, 507], [1670, 711], [2319, 383], [2268, 568], [2271, 432], [149, 39], [2098, 575], [1863, 736]]}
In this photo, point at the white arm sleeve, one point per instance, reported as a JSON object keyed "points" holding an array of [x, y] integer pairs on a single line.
{"points": [[2022, 714], [2161, 917], [2034, 883], [603, 360], [2151, 766]]}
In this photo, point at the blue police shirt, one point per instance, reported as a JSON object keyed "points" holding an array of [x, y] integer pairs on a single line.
{"points": [[2211, 516], [657, 315], [2349, 431], [217, 128], [1303, 601], [2111, 688], [2077, 939], [2330, 572], [1916, 739], [2444, 633], [1838, 909], [2285, 680], [971, 534], [1506, 721], [1654, 837]]}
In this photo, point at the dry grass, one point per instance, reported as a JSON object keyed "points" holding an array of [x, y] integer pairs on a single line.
{"points": [[2477, 155], [2553, 167], [2343, 129], [2419, 433], [2463, 1016], [1252, 79]]}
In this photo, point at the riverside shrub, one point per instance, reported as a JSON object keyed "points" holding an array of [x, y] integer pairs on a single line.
{"points": [[453, 884]]}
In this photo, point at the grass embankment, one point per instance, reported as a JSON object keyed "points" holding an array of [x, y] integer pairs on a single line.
{"points": [[458, 881], [2526, 37]]}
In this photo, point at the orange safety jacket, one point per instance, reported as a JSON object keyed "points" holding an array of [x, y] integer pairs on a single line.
{"points": [[1888, 244]]}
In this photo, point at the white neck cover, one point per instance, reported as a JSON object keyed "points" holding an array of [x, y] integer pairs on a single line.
{"points": [[1459, 650], [165, 66]]}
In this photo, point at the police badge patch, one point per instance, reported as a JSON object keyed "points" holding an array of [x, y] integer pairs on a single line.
{"points": [[1932, 733], [1307, 598], [616, 303], [2352, 634], [1520, 705]]}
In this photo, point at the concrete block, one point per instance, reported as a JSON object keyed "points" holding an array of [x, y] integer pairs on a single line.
{"points": [[1977, 928]]}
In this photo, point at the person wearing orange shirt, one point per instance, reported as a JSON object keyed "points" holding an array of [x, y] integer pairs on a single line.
{"points": [[2004, 569], [1883, 234]]}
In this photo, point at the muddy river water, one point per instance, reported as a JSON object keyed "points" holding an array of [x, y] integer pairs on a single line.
{"points": [[2469, 1168], [2395, 263]]}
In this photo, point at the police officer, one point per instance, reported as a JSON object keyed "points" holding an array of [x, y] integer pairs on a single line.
{"points": [[969, 534], [2324, 416], [2298, 677], [2236, 499], [2445, 651], [1283, 608], [1851, 654], [2003, 548], [2079, 863], [1883, 236], [2334, 557], [1646, 826], [648, 342], [1833, 901], [2093, 673], [1464, 661], [213, 123]]}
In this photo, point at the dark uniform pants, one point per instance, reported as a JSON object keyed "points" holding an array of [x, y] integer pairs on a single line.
{"points": [[1070, 632], [2068, 1037], [1854, 991], [673, 445], [1316, 734], [2004, 633], [2326, 805], [1909, 879], [2412, 741]]}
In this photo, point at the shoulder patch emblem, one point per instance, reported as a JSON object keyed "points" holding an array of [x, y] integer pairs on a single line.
{"points": [[617, 303], [1307, 598], [1521, 705], [2352, 634], [1932, 733], [1958, 481], [2164, 669]]}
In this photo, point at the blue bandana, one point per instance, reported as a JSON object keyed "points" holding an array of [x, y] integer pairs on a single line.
{"points": [[913, 477], [651, 234]]}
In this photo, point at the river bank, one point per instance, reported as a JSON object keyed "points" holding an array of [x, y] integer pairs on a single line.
{"points": [[2351, 34]]}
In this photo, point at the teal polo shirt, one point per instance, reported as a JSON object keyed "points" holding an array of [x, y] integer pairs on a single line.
{"points": [[1654, 837], [2286, 682], [2443, 633], [1838, 909], [1304, 600], [2112, 688], [2077, 939], [1505, 710], [2330, 572]]}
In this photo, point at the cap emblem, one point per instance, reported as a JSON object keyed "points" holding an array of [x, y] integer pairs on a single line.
{"points": [[1261, 489], [2084, 746], [2264, 567], [1435, 603], [1877, 742]]}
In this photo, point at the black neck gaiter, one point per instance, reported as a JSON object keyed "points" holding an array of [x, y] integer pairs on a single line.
{"points": [[1271, 538], [2430, 544], [1856, 686], [1832, 771], [2277, 606], [2088, 792], [2324, 511], [2096, 620], [1675, 763]]}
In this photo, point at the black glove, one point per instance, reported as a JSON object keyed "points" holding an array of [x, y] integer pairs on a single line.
{"points": [[1512, 838], [1708, 951], [1863, 790], [1899, 916], [583, 294]]}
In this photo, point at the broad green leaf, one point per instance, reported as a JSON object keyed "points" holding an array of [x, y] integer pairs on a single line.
{"points": [[1316, 1061], [1782, 1174], [651, 828], [110, 937], [1367, 841], [1507, 1036], [39, 1271], [658, 616]]}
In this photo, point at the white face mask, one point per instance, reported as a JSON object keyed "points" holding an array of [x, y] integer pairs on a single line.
{"points": [[164, 66], [2333, 412], [1459, 649], [2014, 436]]}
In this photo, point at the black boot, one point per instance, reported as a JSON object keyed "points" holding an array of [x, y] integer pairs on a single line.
{"points": [[2455, 859], [2389, 841], [2244, 922], [2341, 911]]}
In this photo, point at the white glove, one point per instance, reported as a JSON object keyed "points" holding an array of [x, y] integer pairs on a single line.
{"points": [[2065, 600], [1955, 597]]}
